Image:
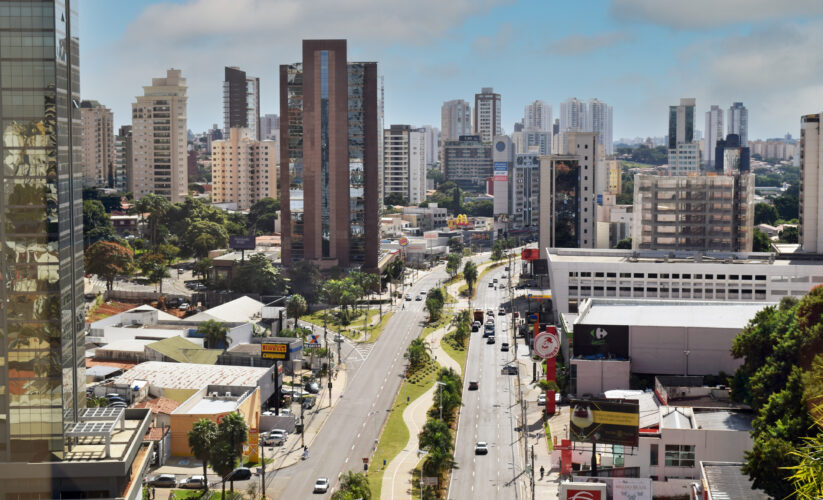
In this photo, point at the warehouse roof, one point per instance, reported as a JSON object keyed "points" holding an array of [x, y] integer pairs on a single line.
{"points": [[671, 313], [241, 310], [192, 376], [185, 351]]}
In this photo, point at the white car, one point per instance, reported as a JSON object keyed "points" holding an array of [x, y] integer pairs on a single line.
{"points": [[541, 399], [481, 448], [321, 485], [276, 437]]}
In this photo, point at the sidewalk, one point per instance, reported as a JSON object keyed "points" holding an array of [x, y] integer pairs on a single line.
{"points": [[397, 478]]}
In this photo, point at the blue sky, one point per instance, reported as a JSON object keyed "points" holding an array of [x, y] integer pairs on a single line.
{"points": [[637, 55]]}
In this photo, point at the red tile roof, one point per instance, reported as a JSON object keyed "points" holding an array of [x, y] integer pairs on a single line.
{"points": [[159, 405]]}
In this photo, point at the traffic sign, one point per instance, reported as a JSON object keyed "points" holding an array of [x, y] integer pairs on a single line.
{"points": [[546, 344]]}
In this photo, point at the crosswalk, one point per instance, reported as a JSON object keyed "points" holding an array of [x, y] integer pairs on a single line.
{"points": [[364, 349]]}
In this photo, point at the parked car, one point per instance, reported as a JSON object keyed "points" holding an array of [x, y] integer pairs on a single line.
{"points": [[163, 481], [308, 403], [472, 385], [240, 474], [509, 370], [541, 399], [321, 485], [490, 339], [504, 347], [277, 437], [184, 305], [312, 387], [193, 483], [481, 448]]}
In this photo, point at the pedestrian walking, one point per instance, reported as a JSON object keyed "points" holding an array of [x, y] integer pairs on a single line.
{"points": [[542, 471]]}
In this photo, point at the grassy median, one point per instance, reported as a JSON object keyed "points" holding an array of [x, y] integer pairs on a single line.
{"points": [[395, 435]]}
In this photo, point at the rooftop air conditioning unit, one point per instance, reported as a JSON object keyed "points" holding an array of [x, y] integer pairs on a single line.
{"points": [[228, 394], [214, 395]]}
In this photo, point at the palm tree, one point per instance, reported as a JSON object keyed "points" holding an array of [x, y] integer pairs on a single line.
{"points": [[419, 352], [202, 437], [296, 307], [233, 430], [436, 438], [470, 275], [215, 333], [223, 461], [353, 485]]}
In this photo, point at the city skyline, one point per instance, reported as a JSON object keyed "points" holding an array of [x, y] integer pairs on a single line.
{"points": [[633, 54]]}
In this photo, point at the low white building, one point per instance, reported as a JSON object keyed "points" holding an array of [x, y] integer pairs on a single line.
{"points": [[578, 274]]}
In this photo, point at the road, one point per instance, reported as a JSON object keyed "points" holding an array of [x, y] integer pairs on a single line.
{"points": [[491, 413], [352, 430]]}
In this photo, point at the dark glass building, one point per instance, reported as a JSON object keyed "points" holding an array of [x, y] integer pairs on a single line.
{"points": [[42, 363], [329, 161]]}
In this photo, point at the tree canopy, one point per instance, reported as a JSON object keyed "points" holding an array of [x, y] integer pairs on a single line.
{"points": [[109, 260], [764, 214], [262, 215], [258, 275], [97, 225]]}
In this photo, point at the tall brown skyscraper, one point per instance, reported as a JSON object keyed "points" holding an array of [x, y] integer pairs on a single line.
{"points": [[329, 131]]}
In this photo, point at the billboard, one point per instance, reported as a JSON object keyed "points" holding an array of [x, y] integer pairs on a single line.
{"points": [[530, 254], [275, 350], [540, 267], [241, 242], [608, 421], [601, 340], [501, 171]]}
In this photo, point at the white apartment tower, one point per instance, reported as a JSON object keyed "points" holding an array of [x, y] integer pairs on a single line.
{"points": [[714, 133], [684, 151], [404, 163], [537, 116], [98, 144], [487, 114], [159, 139], [739, 122], [432, 137], [244, 170], [811, 184], [599, 120], [455, 120], [572, 119]]}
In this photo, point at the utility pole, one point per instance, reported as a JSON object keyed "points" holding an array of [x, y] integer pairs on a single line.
{"points": [[262, 447], [534, 471]]}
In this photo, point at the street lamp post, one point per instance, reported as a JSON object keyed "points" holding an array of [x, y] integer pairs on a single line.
{"points": [[440, 391]]}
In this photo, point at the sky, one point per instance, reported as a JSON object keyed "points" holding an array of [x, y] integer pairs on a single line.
{"points": [[640, 56]]}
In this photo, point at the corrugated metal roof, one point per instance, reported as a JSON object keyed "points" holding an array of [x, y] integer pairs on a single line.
{"points": [[192, 376]]}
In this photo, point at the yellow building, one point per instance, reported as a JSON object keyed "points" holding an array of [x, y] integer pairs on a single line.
{"points": [[615, 176], [214, 402]]}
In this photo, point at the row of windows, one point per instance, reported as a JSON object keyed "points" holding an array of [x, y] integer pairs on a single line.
{"points": [[685, 276]]}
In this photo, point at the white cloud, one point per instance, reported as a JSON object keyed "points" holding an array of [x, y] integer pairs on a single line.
{"points": [[200, 37], [575, 45], [498, 43], [701, 14]]}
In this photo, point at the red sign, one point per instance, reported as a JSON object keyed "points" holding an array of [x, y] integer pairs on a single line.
{"points": [[530, 254], [403, 241], [583, 495], [547, 344], [565, 457]]}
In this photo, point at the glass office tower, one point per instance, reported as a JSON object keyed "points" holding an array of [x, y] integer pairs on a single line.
{"points": [[42, 374]]}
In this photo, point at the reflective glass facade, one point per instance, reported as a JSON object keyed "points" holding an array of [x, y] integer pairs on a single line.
{"points": [[566, 204], [42, 374]]}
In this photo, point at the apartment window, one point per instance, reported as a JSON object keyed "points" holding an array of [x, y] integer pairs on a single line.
{"points": [[653, 452], [709, 276], [598, 275], [734, 277], [721, 276], [638, 275], [653, 276], [625, 275], [679, 455]]}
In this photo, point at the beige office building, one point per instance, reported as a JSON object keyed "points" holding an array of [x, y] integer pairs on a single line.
{"points": [[159, 138], [243, 170], [98, 144]]}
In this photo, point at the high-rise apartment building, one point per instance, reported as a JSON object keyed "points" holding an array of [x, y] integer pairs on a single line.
{"points": [[700, 213], [123, 159], [572, 119], [269, 127], [42, 347], [684, 151], [738, 117], [159, 141], [98, 144], [329, 171], [731, 157], [599, 120], [714, 133], [538, 116], [404, 163], [811, 184], [243, 170], [467, 161], [455, 120], [567, 195], [532, 141], [432, 139], [487, 114], [241, 102]]}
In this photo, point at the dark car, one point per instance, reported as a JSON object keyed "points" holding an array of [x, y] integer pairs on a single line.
{"points": [[308, 403], [312, 387], [475, 326], [509, 370], [240, 474], [163, 481], [472, 385], [504, 347], [490, 339]]}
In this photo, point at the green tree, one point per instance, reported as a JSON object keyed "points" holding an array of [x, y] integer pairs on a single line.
{"points": [[624, 244], [169, 252], [97, 225], [807, 475], [223, 460], [258, 275], [234, 430], [789, 235], [418, 353], [109, 260], [203, 236], [215, 333], [353, 485], [470, 275], [304, 279], [435, 309], [202, 437], [764, 214], [462, 326], [453, 262], [436, 438], [787, 206], [482, 208], [761, 241], [456, 245], [156, 207], [295, 307], [153, 267], [202, 268], [775, 345], [262, 215], [395, 199]]}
